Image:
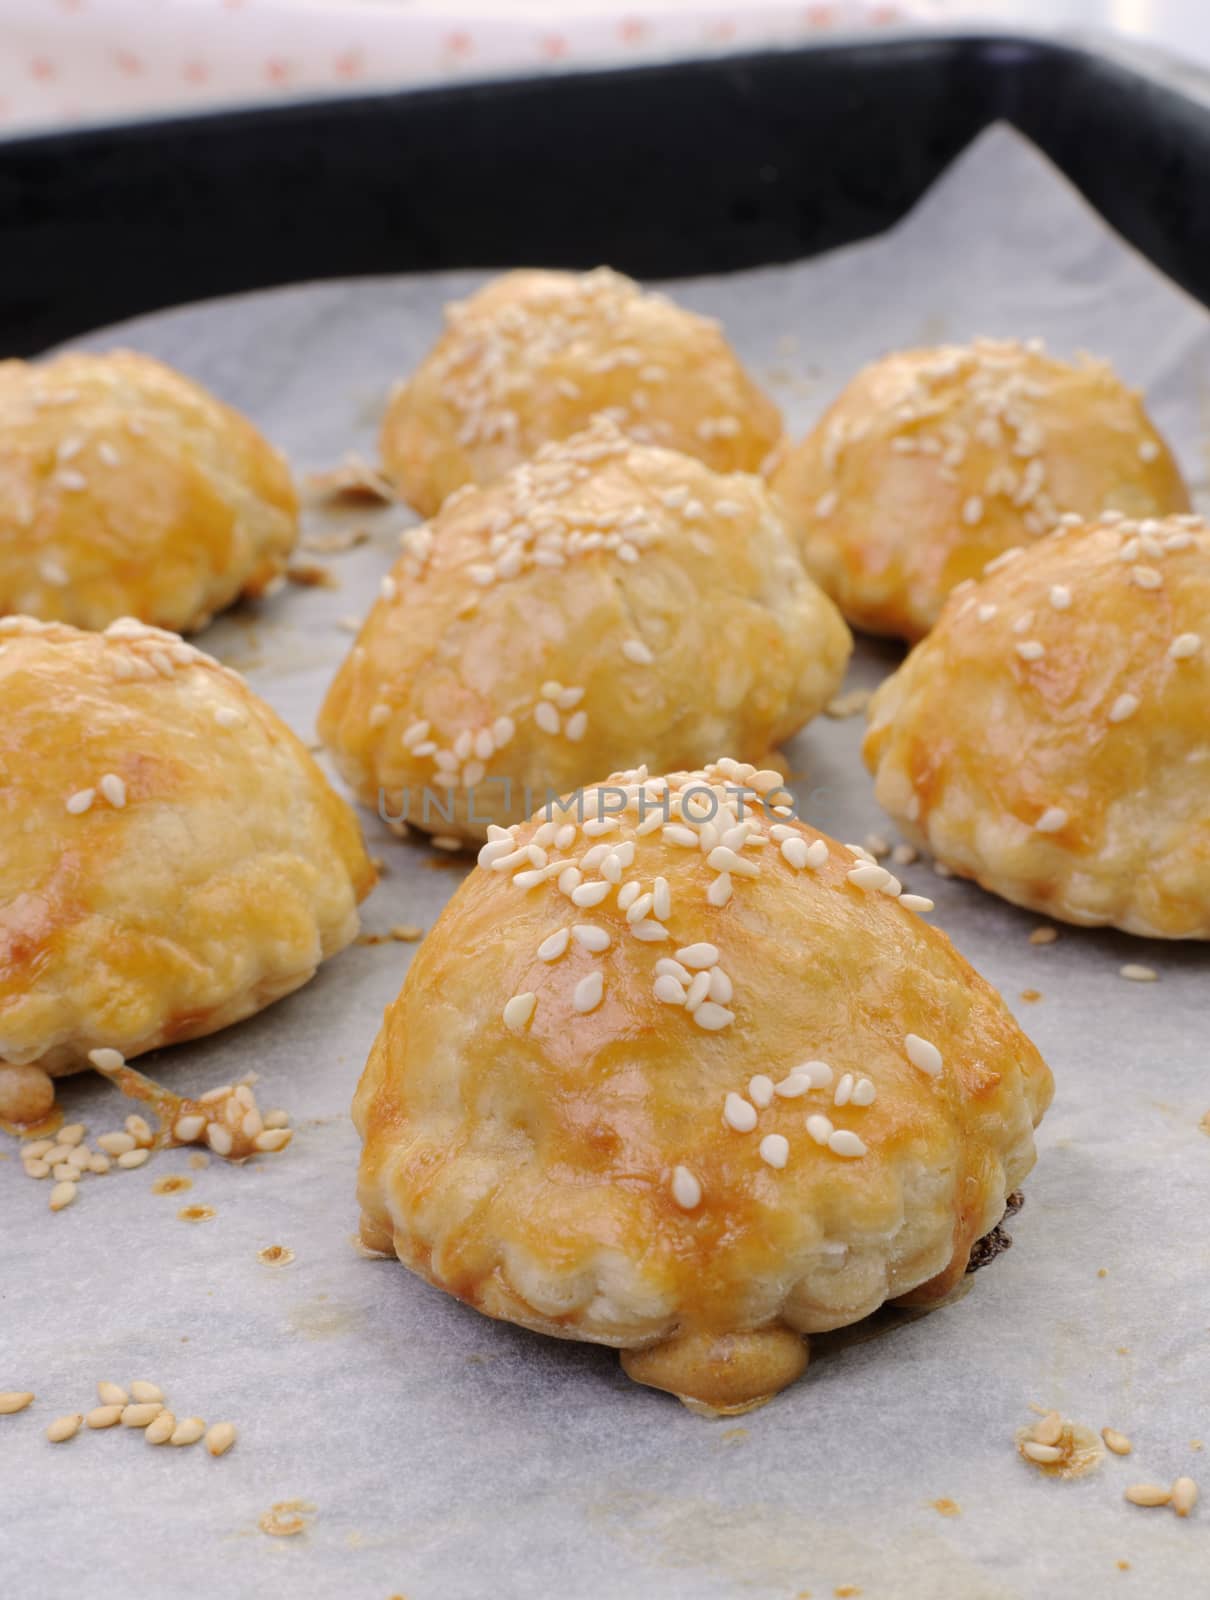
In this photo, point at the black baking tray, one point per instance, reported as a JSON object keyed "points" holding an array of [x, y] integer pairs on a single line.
{"points": [[661, 171]]}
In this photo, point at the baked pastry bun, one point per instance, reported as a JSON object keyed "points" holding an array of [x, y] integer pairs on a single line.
{"points": [[933, 462], [690, 1079], [171, 858], [1051, 737], [127, 490], [606, 603], [534, 355]]}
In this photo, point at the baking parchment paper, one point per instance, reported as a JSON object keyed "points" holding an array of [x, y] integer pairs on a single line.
{"points": [[440, 1456]]}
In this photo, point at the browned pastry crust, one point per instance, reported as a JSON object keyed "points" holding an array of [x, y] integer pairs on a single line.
{"points": [[128, 490], [605, 603], [563, 1132], [933, 462], [1050, 738], [171, 858], [534, 356]]}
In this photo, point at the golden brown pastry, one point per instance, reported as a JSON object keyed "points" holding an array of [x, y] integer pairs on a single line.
{"points": [[1051, 737], [606, 603], [171, 858], [933, 462], [534, 356], [692, 1080], [127, 490]]}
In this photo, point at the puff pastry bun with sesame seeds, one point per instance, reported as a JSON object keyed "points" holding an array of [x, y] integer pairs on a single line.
{"points": [[933, 462], [606, 603], [534, 355], [675, 1073], [1051, 737], [171, 858], [127, 490]]}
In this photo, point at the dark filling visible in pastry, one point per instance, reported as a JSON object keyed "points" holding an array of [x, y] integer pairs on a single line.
{"points": [[991, 1244]]}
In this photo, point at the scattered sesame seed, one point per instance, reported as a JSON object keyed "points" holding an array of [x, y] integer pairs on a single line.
{"points": [[133, 1158], [188, 1431], [760, 1089], [113, 789], [1044, 935], [739, 1114], [161, 1428], [1185, 646], [14, 1400], [917, 902], [820, 1127], [519, 1010], [1146, 578], [64, 1428], [553, 947], [1123, 707], [869, 875], [1184, 1496], [1138, 974], [1117, 1442], [106, 1416], [220, 1437], [843, 1142], [1060, 597], [923, 1054], [588, 992], [62, 1194], [696, 956], [1149, 450], [1148, 1494], [817, 854], [1031, 650], [686, 1190], [1053, 820], [141, 1413], [775, 1150], [81, 801], [1045, 1453]]}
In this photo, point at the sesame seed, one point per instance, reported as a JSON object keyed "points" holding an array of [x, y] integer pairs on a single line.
{"points": [[106, 1416], [1117, 1442], [827, 503], [220, 1438], [1138, 974], [133, 1158], [218, 1138], [775, 1150], [843, 1142], [519, 1009], [696, 956], [1060, 597], [917, 902], [1185, 646], [188, 1431], [590, 894], [793, 1086], [141, 1414], [844, 1090], [739, 1114], [1031, 650], [719, 891], [1049, 1430], [14, 1400], [864, 1092], [64, 1428], [796, 852], [588, 992], [923, 1054], [161, 1428], [1148, 1494], [1123, 707], [1044, 935], [713, 1017], [62, 1194], [817, 854], [869, 875], [553, 947], [1146, 578], [79, 802], [227, 717], [1053, 820], [686, 1190], [820, 1127], [760, 1090], [1184, 1496], [113, 789], [594, 939], [972, 511], [1148, 450], [1044, 1453]]}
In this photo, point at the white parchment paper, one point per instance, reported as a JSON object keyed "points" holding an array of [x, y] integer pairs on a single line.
{"points": [[440, 1456]]}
